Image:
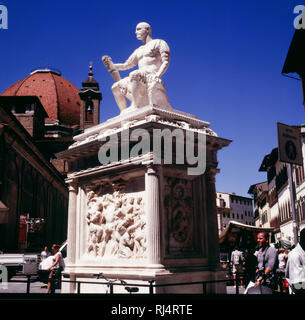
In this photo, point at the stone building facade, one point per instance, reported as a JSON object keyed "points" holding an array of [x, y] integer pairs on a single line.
{"points": [[39, 115], [232, 207], [262, 214], [276, 194], [29, 183]]}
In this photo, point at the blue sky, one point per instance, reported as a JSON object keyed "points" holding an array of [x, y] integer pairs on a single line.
{"points": [[226, 62]]}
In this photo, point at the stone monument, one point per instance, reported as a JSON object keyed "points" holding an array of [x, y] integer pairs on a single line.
{"points": [[140, 207]]}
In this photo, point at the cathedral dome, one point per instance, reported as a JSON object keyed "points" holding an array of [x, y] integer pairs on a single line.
{"points": [[59, 96]]}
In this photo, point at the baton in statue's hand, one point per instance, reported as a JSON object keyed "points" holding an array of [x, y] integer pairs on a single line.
{"points": [[111, 68]]}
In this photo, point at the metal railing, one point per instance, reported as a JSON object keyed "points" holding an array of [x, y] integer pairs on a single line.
{"points": [[112, 283], [30, 278], [132, 287]]}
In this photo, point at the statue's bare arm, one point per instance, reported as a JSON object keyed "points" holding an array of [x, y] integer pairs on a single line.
{"points": [[131, 62], [164, 65], [165, 58]]}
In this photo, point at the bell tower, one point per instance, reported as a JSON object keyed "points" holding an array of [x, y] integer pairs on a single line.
{"points": [[90, 102]]}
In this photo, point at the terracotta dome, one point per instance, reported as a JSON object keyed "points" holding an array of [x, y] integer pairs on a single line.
{"points": [[58, 95]]}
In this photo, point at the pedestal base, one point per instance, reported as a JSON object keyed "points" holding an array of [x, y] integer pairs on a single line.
{"points": [[141, 218]]}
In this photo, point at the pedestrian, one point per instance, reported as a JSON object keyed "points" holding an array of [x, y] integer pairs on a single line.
{"points": [[236, 263], [295, 268], [44, 254], [286, 256], [282, 261], [56, 268], [281, 269], [267, 263], [250, 266]]}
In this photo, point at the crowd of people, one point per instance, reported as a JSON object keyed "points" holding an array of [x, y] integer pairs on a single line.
{"points": [[264, 269], [270, 269]]}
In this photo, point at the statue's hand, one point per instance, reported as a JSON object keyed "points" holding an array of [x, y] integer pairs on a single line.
{"points": [[108, 63]]}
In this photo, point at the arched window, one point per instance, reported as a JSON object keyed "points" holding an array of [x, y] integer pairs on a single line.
{"points": [[89, 111]]}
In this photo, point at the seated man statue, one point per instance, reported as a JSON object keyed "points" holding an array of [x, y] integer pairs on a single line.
{"points": [[143, 86]]}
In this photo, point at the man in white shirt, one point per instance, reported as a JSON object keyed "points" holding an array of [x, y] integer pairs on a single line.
{"points": [[44, 254], [295, 268]]}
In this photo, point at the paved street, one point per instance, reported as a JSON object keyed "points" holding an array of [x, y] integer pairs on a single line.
{"points": [[18, 287], [232, 290]]}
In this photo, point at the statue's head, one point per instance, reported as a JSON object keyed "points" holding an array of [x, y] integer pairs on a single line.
{"points": [[142, 30]]}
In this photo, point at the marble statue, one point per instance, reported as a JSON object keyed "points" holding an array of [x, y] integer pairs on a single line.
{"points": [[143, 86]]}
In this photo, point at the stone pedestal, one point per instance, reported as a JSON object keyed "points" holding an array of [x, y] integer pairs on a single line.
{"points": [[139, 219]]}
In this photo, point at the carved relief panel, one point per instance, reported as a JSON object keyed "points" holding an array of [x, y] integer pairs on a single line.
{"points": [[116, 221], [182, 217]]}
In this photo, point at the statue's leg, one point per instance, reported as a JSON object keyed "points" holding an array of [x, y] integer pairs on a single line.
{"points": [[150, 91], [119, 96], [157, 94], [138, 89]]}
